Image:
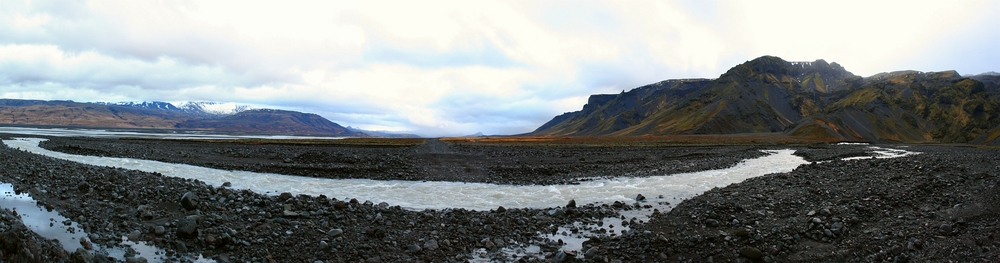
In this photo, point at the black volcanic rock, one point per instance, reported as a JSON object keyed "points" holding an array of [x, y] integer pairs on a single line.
{"points": [[810, 99]]}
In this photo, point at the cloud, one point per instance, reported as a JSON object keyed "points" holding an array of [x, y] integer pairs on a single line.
{"points": [[453, 67]]}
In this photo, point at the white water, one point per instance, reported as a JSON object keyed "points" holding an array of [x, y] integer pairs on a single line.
{"points": [[439, 195], [883, 153]]}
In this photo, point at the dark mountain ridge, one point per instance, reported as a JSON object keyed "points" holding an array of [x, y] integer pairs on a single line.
{"points": [[162, 115], [812, 99]]}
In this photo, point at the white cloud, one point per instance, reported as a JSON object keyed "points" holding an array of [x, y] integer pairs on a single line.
{"points": [[447, 67]]}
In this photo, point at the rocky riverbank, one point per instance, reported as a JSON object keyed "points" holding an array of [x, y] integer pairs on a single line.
{"points": [[936, 206], [431, 161]]}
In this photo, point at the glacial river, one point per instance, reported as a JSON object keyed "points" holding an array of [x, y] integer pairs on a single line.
{"points": [[664, 192]]}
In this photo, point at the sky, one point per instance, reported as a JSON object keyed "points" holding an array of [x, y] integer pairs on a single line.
{"points": [[447, 68]]}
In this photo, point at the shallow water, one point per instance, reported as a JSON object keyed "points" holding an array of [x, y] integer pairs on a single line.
{"points": [[51, 225]]}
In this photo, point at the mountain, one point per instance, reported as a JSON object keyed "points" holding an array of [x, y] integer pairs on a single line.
{"points": [[213, 108], [271, 121], [812, 99], [162, 115]]}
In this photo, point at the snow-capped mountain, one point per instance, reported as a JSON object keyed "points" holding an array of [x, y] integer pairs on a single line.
{"points": [[143, 104], [192, 107], [213, 108]]}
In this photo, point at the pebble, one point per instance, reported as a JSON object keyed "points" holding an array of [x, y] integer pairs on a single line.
{"points": [[189, 201], [187, 227], [336, 232], [135, 235]]}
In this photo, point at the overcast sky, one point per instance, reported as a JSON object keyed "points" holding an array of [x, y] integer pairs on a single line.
{"points": [[453, 68]]}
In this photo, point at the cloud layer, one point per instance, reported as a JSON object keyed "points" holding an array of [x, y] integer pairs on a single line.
{"points": [[460, 67]]}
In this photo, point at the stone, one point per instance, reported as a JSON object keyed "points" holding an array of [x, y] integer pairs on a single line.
{"points": [[571, 204], [159, 230], [135, 260], [836, 227], [712, 222], [284, 196], [135, 235], [559, 257], [591, 252], [287, 213], [187, 227], [189, 201], [412, 248], [751, 253], [82, 256], [501, 209], [945, 228], [227, 184], [816, 220], [336, 232], [431, 245], [811, 213], [640, 198], [340, 205], [86, 244]]}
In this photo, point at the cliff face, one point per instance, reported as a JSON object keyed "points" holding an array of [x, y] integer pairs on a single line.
{"points": [[813, 99]]}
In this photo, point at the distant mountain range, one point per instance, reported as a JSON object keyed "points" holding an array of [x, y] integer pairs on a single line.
{"points": [[208, 116], [810, 99]]}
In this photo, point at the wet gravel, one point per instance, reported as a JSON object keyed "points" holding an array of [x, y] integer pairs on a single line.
{"points": [[937, 206]]}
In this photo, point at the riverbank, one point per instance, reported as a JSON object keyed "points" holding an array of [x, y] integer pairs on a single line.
{"points": [[236, 225]]}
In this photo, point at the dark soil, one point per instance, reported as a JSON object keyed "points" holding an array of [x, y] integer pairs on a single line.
{"points": [[938, 206]]}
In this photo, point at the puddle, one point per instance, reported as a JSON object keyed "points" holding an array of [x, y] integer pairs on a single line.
{"points": [[51, 225]]}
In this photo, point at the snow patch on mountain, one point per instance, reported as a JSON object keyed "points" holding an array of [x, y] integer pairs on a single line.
{"points": [[213, 108]]}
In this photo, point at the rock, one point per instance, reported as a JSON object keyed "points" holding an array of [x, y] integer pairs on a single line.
{"points": [[340, 205], [287, 213], [83, 187], [187, 227], [751, 253], [501, 209], [135, 260], [431, 245], [336, 232], [135, 235], [828, 233], [836, 227], [159, 230], [86, 244], [82, 256], [712, 222], [816, 220], [227, 184], [811, 213], [640, 198], [284, 196], [736, 222], [945, 228], [412, 248], [571, 204], [590, 253], [558, 257], [189, 201]]}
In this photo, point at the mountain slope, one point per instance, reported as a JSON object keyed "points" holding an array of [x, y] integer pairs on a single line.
{"points": [[161, 115], [272, 121], [812, 99]]}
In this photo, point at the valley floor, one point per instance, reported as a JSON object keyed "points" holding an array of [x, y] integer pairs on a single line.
{"points": [[937, 206]]}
